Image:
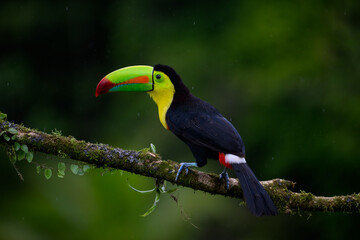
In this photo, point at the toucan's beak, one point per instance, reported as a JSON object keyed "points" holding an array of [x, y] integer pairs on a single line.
{"points": [[128, 79]]}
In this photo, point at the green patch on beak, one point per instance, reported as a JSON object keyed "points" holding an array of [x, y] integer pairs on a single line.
{"points": [[128, 79]]}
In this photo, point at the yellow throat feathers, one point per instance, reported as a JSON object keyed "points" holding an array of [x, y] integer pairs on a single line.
{"points": [[163, 96]]}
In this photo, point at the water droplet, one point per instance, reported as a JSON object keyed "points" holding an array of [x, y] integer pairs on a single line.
{"points": [[192, 88], [345, 13], [7, 84], [194, 22], [138, 114], [272, 158], [323, 110]]}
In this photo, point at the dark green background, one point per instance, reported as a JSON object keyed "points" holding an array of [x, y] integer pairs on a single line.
{"points": [[286, 73]]}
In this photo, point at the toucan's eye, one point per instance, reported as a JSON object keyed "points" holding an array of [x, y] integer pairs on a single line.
{"points": [[158, 76]]}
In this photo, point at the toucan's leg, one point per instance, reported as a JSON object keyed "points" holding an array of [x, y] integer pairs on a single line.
{"points": [[185, 165], [225, 175]]}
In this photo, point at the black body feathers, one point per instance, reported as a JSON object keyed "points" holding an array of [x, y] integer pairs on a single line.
{"points": [[208, 133]]}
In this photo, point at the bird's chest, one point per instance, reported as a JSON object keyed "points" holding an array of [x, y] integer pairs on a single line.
{"points": [[162, 109], [163, 101]]}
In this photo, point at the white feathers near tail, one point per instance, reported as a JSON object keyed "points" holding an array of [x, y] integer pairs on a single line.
{"points": [[233, 159]]}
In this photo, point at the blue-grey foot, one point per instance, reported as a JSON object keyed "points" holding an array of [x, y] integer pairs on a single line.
{"points": [[225, 175], [185, 165]]}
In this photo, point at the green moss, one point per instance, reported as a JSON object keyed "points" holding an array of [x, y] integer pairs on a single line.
{"points": [[305, 196], [56, 132], [281, 199], [144, 150], [63, 155], [94, 154], [300, 201]]}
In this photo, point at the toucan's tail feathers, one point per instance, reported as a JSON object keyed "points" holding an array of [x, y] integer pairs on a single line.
{"points": [[256, 197]]}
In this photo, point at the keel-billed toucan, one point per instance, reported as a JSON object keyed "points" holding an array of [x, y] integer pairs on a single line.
{"points": [[207, 133]]}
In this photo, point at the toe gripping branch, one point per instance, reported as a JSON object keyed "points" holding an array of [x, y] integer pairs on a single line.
{"points": [[185, 165], [225, 175]]}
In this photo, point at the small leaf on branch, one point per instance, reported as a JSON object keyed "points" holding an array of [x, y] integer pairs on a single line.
{"points": [[152, 148], [12, 131], [16, 146], [38, 169], [6, 137], [48, 173], [86, 168], [74, 168], [24, 148], [21, 155], [61, 168], [3, 116], [80, 171], [29, 156]]}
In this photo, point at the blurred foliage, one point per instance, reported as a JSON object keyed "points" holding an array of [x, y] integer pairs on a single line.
{"points": [[286, 73]]}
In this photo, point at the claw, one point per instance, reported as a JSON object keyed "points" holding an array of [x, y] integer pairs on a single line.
{"points": [[182, 166], [225, 175]]}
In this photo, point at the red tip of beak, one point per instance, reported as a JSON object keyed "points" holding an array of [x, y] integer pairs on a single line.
{"points": [[104, 86]]}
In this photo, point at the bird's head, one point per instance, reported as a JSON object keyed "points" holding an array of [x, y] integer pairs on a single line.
{"points": [[161, 82]]}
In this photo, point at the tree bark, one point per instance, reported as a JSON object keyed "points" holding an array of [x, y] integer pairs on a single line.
{"points": [[148, 164]]}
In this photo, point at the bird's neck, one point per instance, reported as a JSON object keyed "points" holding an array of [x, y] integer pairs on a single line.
{"points": [[163, 99]]}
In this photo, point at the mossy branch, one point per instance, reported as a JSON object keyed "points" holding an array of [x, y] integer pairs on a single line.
{"points": [[151, 165]]}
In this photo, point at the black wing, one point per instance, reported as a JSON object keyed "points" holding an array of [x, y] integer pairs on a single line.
{"points": [[207, 129]]}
